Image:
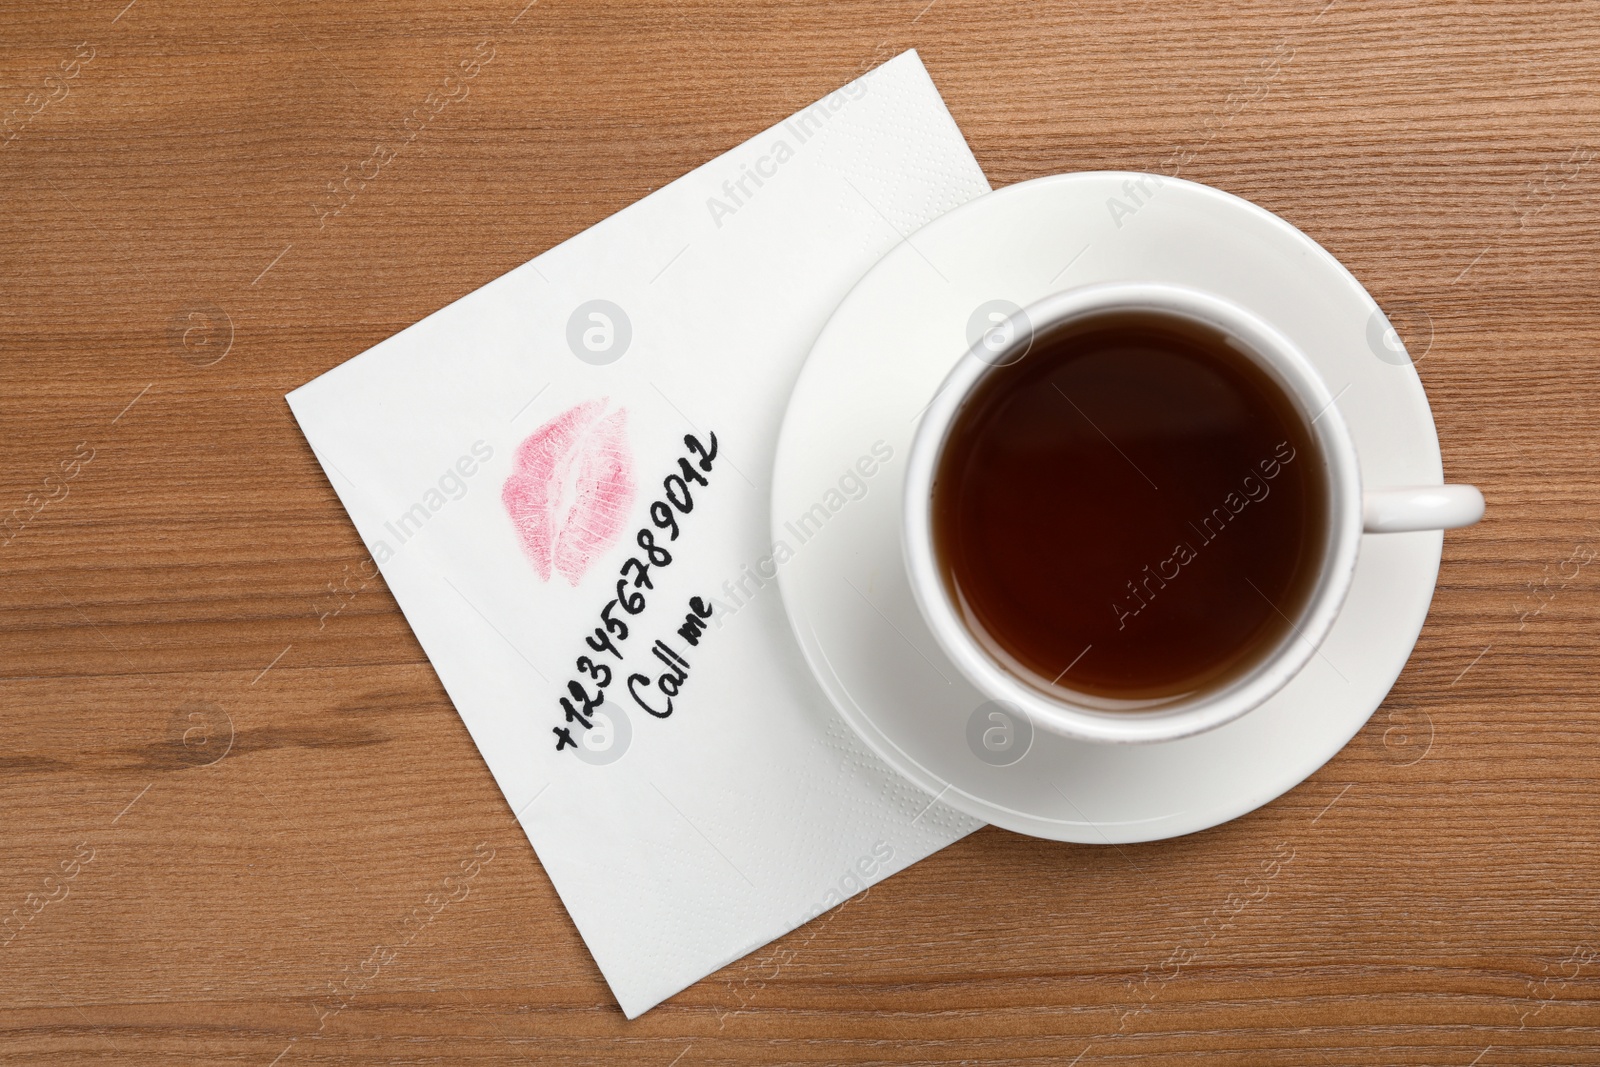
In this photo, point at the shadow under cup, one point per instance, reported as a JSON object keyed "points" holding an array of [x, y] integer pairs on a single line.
{"points": [[1130, 511]]}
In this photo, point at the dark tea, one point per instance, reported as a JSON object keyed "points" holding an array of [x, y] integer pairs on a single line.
{"points": [[1134, 511]]}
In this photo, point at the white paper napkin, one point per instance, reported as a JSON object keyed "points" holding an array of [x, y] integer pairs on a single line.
{"points": [[505, 460]]}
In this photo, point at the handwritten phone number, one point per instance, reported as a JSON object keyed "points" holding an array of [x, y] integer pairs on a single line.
{"points": [[677, 498]]}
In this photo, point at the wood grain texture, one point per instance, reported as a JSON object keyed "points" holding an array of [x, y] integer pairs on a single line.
{"points": [[1433, 890]]}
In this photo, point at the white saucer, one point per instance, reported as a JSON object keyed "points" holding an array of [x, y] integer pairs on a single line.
{"points": [[877, 363]]}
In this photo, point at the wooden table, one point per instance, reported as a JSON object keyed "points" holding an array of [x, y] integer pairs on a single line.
{"points": [[228, 775]]}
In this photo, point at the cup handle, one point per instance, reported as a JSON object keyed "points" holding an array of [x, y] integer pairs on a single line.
{"points": [[1420, 507]]}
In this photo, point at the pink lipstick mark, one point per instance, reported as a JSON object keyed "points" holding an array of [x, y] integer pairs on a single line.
{"points": [[571, 487]]}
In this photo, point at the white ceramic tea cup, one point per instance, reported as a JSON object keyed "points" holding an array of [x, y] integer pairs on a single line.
{"points": [[1352, 511]]}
